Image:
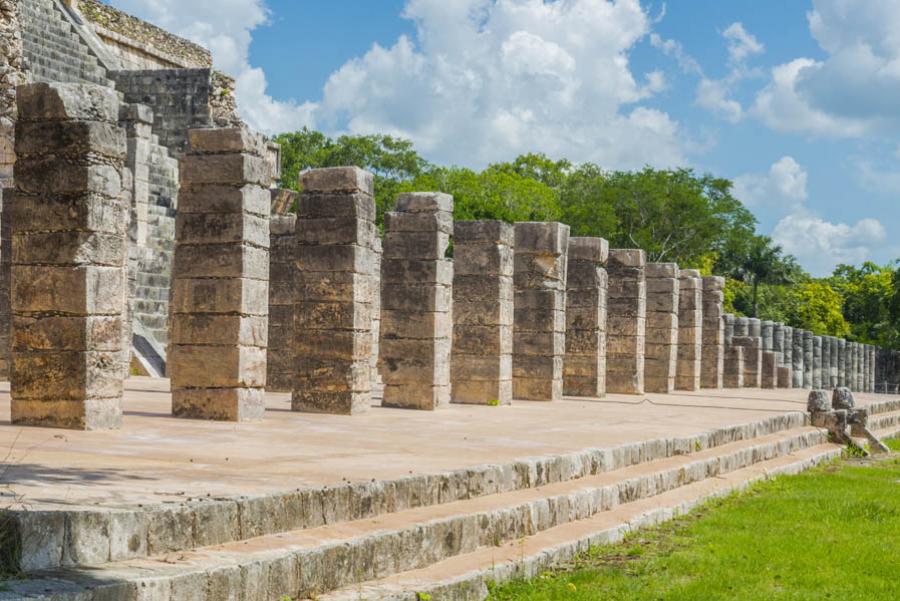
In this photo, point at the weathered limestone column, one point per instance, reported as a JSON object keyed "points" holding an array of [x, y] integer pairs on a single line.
{"points": [[769, 370], [842, 362], [754, 328], [481, 358], [868, 386], [734, 367], [219, 309], [729, 328], [713, 333], [280, 353], [855, 374], [626, 321], [872, 362], [374, 363], [767, 329], [788, 355], [138, 122], [798, 356], [753, 357], [6, 204], [690, 330], [826, 362], [818, 362], [778, 341], [661, 348], [416, 306], [808, 359], [69, 247], [584, 367], [334, 292], [741, 326]]}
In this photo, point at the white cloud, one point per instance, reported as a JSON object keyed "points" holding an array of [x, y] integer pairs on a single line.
{"points": [[484, 80], [226, 27], [784, 186], [713, 94], [820, 245], [741, 43], [674, 49]]}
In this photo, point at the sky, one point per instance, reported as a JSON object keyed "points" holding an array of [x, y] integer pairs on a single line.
{"points": [[798, 103]]}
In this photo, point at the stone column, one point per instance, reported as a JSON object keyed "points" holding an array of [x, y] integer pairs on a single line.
{"points": [[778, 341], [868, 368], [69, 247], [661, 348], [219, 309], [769, 370], [753, 356], [754, 328], [855, 378], [798, 356], [734, 367], [539, 317], [842, 362], [626, 322], [808, 359], [741, 326], [416, 306], [767, 329], [826, 362], [788, 355], [728, 329], [690, 330], [481, 358], [584, 368], [6, 205], [374, 363], [872, 361], [334, 292], [713, 333], [280, 353], [138, 122], [818, 362]]}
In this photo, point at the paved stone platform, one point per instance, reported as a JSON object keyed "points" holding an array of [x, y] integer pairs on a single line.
{"points": [[156, 458]]}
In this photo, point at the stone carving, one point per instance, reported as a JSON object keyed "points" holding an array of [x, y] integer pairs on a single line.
{"points": [[584, 368], [713, 333], [626, 321]]}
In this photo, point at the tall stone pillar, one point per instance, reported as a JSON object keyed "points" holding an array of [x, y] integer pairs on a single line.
{"points": [[374, 363], [753, 357], [690, 330], [334, 292], [729, 328], [808, 359], [855, 379], [661, 348], [826, 362], [138, 122], [842, 362], [817, 363], [219, 309], [767, 329], [713, 333], [69, 246], [778, 341], [741, 326], [754, 329], [626, 322], [872, 369], [734, 367], [481, 358], [868, 368], [416, 307], [6, 205], [769, 370], [539, 316], [788, 357], [798, 356], [280, 353], [584, 368]]}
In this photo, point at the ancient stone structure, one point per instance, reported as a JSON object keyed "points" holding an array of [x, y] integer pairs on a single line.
{"points": [[481, 358], [713, 333], [374, 364], [808, 359], [767, 329], [662, 341], [68, 230], [280, 356], [842, 362], [626, 321], [11, 75], [753, 356], [754, 328], [788, 355], [728, 329], [826, 362], [221, 278], [416, 318], [741, 327], [733, 375], [690, 330], [769, 370], [584, 367], [817, 363], [539, 321], [334, 295]]}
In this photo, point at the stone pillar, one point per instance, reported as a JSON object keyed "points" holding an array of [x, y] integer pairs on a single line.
{"points": [[374, 363], [767, 329], [778, 341], [826, 362], [481, 358], [752, 359], [872, 361], [754, 328], [626, 322], [798, 356], [219, 309], [539, 317], [868, 368], [69, 247], [818, 362], [138, 122], [787, 348], [713, 333], [855, 374], [662, 336], [6, 205], [733, 375], [784, 377], [769, 370], [690, 330], [808, 359], [334, 292], [729, 328], [280, 353], [584, 368], [842, 362], [741, 326], [416, 306]]}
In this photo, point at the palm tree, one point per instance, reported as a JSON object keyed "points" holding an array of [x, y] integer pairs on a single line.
{"points": [[766, 263]]}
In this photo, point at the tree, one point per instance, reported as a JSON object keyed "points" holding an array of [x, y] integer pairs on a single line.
{"points": [[870, 301], [765, 263]]}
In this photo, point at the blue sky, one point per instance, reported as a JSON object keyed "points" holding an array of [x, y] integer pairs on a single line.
{"points": [[797, 102]]}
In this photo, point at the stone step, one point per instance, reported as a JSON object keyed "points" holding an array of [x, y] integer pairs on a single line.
{"points": [[467, 576], [885, 406], [313, 562], [587, 479], [883, 421]]}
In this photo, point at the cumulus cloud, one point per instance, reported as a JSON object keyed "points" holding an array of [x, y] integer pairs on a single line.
{"points": [[821, 245], [716, 94], [783, 186], [484, 80], [225, 27], [674, 49], [741, 43]]}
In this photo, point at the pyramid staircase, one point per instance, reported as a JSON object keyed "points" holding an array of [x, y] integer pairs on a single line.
{"points": [[446, 535]]}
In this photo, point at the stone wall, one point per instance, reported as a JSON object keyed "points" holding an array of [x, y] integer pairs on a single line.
{"points": [[11, 74]]}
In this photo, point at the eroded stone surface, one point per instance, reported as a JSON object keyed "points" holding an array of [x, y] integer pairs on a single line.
{"points": [[586, 313], [626, 321]]}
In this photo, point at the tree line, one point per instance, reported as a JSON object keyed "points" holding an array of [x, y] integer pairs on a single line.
{"points": [[675, 215]]}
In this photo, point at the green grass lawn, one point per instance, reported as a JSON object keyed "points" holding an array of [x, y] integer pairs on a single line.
{"points": [[830, 533]]}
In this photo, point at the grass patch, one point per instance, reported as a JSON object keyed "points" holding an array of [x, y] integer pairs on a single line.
{"points": [[830, 533]]}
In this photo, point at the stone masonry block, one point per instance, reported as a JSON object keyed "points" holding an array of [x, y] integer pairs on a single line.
{"points": [[337, 180]]}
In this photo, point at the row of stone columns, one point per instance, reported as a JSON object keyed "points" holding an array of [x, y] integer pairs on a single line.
{"points": [[307, 303]]}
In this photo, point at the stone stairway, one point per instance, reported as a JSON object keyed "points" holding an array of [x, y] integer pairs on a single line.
{"points": [[884, 418], [443, 534], [53, 50]]}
